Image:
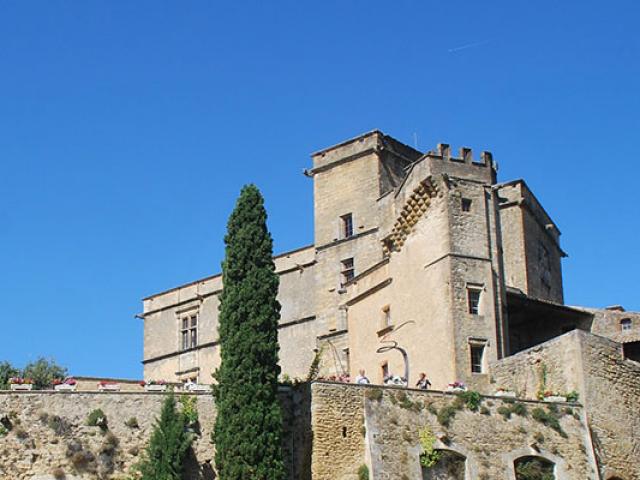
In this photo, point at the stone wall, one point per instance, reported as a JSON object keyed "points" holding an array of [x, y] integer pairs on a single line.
{"points": [[50, 433], [380, 427], [609, 387]]}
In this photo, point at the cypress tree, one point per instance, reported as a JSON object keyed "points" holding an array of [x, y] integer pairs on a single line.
{"points": [[248, 429], [168, 446]]}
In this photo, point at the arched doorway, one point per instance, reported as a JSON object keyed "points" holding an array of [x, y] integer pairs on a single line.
{"points": [[450, 466], [534, 468]]}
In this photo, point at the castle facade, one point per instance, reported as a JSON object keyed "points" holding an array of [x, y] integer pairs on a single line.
{"points": [[425, 253]]}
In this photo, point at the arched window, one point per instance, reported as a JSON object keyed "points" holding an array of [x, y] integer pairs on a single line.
{"points": [[534, 468], [625, 324], [450, 465]]}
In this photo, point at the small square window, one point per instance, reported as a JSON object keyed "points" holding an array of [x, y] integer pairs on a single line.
{"points": [[625, 324], [348, 270], [477, 358], [466, 204], [473, 297], [347, 225]]}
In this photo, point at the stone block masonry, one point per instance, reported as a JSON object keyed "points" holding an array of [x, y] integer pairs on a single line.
{"points": [[381, 427], [49, 434]]}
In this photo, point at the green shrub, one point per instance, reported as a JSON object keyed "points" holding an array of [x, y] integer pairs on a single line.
{"points": [[373, 393], [550, 419], [189, 408], [132, 423], [519, 409], [97, 418], [3, 430], [472, 399], [363, 472], [430, 456], [504, 411], [572, 396], [446, 415]]}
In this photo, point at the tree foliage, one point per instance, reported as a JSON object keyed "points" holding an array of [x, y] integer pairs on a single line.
{"points": [[165, 455], [248, 429], [532, 468], [43, 372], [6, 372]]}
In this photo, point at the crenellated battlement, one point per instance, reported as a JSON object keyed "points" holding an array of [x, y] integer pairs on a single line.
{"points": [[465, 155]]}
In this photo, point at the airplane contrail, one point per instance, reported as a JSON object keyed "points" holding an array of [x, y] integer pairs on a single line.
{"points": [[468, 45]]}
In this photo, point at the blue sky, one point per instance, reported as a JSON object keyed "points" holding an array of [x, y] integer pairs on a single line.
{"points": [[128, 128]]}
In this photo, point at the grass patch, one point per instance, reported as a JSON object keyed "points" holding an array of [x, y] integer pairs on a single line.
{"points": [[549, 419], [363, 472]]}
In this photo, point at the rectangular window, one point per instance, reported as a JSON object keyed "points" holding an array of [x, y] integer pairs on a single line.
{"points": [[466, 204], [189, 332], [348, 271], [473, 297], [477, 358], [347, 225]]}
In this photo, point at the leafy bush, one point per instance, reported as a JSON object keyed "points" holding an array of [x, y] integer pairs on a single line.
{"points": [[97, 418], [3, 430], [373, 393], [472, 399], [430, 456], [550, 419], [445, 415], [519, 409], [504, 411], [363, 472], [189, 408], [572, 396]]}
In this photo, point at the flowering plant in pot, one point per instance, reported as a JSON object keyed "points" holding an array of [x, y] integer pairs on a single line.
{"points": [[456, 386], [154, 385], [68, 384], [19, 383], [106, 385]]}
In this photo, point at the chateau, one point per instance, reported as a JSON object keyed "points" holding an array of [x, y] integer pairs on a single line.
{"points": [[421, 262], [424, 251]]}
